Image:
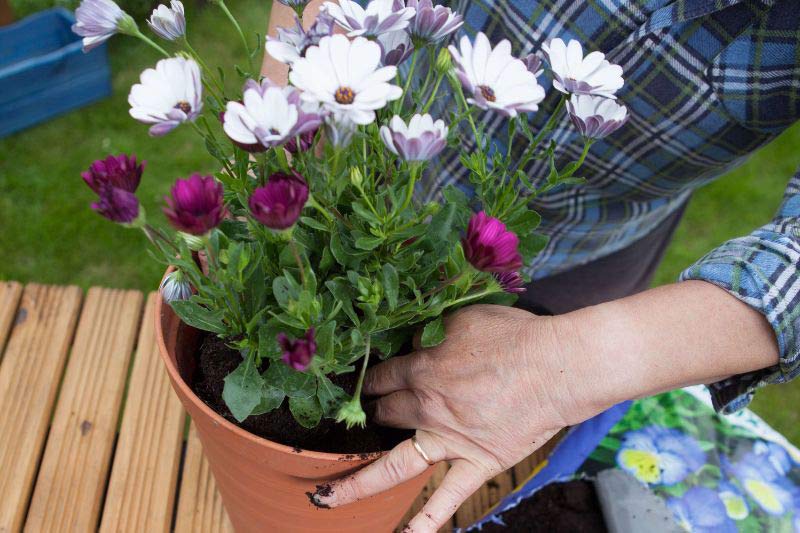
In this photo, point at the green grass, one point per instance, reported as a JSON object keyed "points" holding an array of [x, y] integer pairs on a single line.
{"points": [[49, 234]]}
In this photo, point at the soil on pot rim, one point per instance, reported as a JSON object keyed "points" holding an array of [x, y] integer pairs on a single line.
{"points": [[216, 360], [571, 506]]}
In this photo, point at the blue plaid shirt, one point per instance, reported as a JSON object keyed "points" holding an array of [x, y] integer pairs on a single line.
{"points": [[707, 82]]}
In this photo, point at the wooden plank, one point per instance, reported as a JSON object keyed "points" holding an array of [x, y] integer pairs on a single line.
{"points": [[422, 499], [29, 377], [141, 491], [489, 494], [199, 504], [74, 469], [10, 292]]}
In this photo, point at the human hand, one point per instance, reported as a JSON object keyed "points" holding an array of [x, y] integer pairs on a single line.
{"points": [[501, 385]]}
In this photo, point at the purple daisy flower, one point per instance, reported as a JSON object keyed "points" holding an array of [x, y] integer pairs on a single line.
{"points": [[298, 353], [489, 246], [378, 17], [195, 205], [115, 180], [596, 117], [432, 23], [396, 47], [511, 282], [278, 204]]}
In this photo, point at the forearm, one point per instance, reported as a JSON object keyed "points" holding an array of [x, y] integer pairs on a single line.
{"points": [[682, 334], [283, 17]]}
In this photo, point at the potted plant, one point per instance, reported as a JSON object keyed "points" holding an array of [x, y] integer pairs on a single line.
{"points": [[306, 258]]}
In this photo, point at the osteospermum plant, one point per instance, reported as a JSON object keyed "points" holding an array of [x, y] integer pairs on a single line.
{"points": [[307, 252]]}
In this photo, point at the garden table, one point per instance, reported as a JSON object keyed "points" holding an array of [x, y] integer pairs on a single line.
{"points": [[91, 434]]}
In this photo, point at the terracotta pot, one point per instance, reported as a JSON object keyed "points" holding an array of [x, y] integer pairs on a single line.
{"points": [[263, 484]]}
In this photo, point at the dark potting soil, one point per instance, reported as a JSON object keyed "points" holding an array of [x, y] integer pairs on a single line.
{"points": [[216, 360], [558, 507]]}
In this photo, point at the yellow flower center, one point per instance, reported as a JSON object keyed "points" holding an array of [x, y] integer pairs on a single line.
{"points": [[642, 464], [765, 495], [345, 95], [734, 505]]}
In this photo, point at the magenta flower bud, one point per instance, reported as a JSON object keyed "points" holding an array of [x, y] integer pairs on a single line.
{"points": [[489, 246], [195, 205], [278, 204], [115, 180], [298, 353], [511, 282]]}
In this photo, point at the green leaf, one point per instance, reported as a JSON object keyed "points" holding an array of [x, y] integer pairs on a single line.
{"points": [[313, 223], [306, 411], [337, 249], [391, 284], [325, 338], [331, 396], [242, 390], [199, 317], [433, 333], [271, 398], [368, 242], [342, 294]]}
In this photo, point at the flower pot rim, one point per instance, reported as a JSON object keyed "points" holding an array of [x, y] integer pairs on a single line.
{"points": [[187, 391]]}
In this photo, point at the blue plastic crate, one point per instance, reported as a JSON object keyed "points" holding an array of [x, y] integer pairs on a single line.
{"points": [[44, 73]]}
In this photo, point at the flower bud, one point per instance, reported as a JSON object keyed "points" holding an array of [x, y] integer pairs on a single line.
{"points": [[194, 242], [356, 178], [352, 414], [444, 62]]}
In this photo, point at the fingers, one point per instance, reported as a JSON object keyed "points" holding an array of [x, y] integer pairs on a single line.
{"points": [[390, 376], [460, 482], [401, 464], [401, 409]]}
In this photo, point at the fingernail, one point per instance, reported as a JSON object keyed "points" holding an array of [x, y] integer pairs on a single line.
{"points": [[322, 497]]}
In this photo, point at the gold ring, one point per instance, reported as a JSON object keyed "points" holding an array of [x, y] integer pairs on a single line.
{"points": [[419, 449]]}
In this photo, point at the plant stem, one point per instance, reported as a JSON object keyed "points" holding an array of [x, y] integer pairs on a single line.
{"points": [[473, 297], [299, 261], [539, 136], [363, 373], [412, 181], [152, 43], [235, 23], [221, 91], [434, 93], [410, 76], [316, 205]]}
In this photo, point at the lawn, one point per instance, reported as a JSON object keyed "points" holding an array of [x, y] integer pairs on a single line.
{"points": [[49, 234]]}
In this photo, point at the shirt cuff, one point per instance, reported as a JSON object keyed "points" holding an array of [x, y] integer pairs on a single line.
{"points": [[762, 271]]}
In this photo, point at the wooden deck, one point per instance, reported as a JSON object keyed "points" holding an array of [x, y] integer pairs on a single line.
{"points": [[91, 434]]}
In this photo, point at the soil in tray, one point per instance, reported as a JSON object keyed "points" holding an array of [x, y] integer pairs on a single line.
{"points": [[216, 360], [558, 507]]}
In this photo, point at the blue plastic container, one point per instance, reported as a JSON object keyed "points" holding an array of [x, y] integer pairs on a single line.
{"points": [[44, 73]]}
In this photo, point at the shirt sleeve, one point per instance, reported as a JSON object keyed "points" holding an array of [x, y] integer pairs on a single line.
{"points": [[762, 270]]}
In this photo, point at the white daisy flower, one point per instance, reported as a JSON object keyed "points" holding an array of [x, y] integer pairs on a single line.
{"points": [[496, 79], [573, 73], [419, 140], [168, 95], [346, 77], [380, 16], [174, 287], [168, 22], [268, 116], [596, 116]]}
